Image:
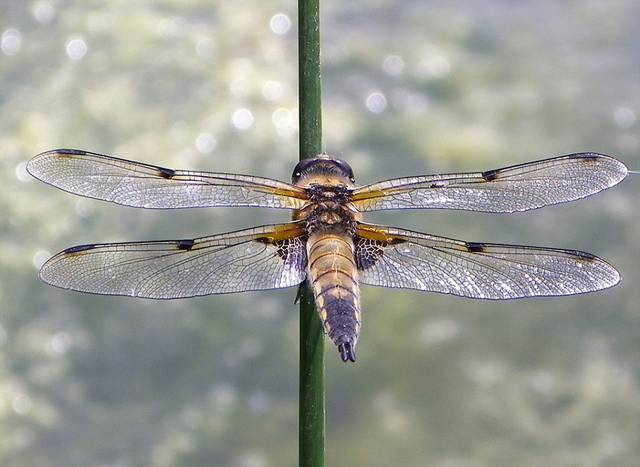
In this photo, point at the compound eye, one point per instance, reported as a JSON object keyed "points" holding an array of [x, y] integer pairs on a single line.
{"points": [[345, 169], [300, 168]]}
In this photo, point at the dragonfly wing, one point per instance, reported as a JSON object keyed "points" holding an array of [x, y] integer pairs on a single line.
{"points": [[147, 186], [267, 257], [511, 189], [390, 257]]}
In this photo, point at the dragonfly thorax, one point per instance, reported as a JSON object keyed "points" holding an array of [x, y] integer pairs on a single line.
{"points": [[328, 209]]}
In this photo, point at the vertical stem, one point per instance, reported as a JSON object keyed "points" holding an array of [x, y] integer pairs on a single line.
{"points": [[311, 404], [309, 78]]}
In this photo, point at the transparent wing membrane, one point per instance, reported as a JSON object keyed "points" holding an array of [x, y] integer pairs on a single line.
{"points": [[254, 259], [517, 188], [275, 256], [147, 186], [391, 257]]}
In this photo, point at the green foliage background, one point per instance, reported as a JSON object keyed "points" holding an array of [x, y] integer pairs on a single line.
{"points": [[440, 381]]}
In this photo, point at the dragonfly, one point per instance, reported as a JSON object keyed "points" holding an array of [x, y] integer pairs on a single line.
{"points": [[326, 244]]}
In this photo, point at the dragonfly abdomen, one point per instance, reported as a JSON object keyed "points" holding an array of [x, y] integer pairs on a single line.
{"points": [[334, 280]]}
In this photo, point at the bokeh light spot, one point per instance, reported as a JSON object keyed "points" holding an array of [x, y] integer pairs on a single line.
{"points": [[11, 42], [280, 24], [376, 102], [242, 119], [76, 49]]}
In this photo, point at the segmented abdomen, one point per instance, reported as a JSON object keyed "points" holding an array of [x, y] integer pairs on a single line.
{"points": [[334, 280]]}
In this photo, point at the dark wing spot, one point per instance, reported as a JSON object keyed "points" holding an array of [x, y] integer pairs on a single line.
{"points": [[184, 244], [78, 249], [287, 252], [491, 175], [166, 173], [368, 251], [283, 251], [474, 247], [582, 255], [588, 156], [70, 152], [281, 247]]}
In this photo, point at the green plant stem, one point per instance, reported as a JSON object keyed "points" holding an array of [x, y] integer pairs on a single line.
{"points": [[311, 404]]}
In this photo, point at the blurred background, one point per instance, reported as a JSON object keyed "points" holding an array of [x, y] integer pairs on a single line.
{"points": [[409, 87]]}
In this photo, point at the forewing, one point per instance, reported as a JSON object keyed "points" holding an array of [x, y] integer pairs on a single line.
{"points": [[390, 257], [517, 188], [267, 257], [147, 186]]}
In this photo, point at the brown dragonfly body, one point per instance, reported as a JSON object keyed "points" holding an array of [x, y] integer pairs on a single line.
{"points": [[331, 221], [327, 243]]}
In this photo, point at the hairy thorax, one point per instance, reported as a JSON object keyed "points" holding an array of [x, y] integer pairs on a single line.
{"points": [[328, 210]]}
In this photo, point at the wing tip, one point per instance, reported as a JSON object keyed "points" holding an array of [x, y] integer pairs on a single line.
{"points": [[617, 169], [37, 165]]}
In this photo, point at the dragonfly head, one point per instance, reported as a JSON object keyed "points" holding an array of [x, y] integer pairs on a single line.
{"points": [[323, 170]]}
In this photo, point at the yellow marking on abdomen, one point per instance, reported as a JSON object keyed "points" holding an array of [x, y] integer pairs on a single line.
{"points": [[334, 280]]}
